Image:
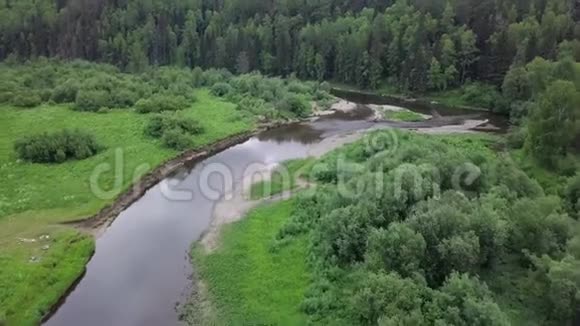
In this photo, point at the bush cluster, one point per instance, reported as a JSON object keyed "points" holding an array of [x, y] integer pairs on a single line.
{"points": [[160, 103], [57, 147], [174, 130], [221, 89], [92, 100], [26, 99], [414, 240], [294, 104], [97, 88], [482, 96]]}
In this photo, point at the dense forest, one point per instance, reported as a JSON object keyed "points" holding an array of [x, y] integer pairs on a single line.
{"points": [[416, 44], [395, 238]]}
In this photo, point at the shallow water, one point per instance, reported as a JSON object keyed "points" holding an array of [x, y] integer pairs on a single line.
{"points": [[141, 270]]}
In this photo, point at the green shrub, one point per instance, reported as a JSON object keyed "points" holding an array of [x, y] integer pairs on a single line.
{"points": [[221, 89], [294, 104], [57, 147], [174, 130], [298, 87], [567, 165], [6, 96], [26, 99], [161, 123], [66, 92], [123, 98], [572, 197], [480, 95], [516, 137], [92, 100], [213, 76], [177, 139], [156, 126], [160, 103]]}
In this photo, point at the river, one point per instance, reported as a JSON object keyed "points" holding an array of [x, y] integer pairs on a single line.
{"points": [[141, 271]]}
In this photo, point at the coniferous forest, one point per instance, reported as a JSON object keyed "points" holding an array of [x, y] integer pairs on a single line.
{"points": [[417, 44]]}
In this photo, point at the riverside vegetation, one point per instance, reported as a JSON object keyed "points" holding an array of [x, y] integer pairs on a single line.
{"points": [[60, 121], [391, 237]]}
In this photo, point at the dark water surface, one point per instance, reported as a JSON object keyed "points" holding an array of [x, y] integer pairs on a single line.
{"points": [[141, 269], [421, 106]]}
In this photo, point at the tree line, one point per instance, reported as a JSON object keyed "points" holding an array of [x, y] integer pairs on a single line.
{"points": [[417, 44]]}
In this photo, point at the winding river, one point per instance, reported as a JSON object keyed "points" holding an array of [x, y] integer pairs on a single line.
{"points": [[141, 269]]}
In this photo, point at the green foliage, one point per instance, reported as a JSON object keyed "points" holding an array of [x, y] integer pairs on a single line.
{"points": [[177, 139], [405, 115], [66, 92], [160, 103], [414, 245], [463, 299], [175, 131], [386, 299], [221, 89], [98, 88], [92, 100], [268, 285], [58, 186], [29, 289], [482, 96], [342, 239], [295, 105], [525, 85], [283, 178], [161, 123], [398, 248], [57, 147], [505, 173], [516, 137], [25, 100], [40, 197], [538, 226], [572, 196], [516, 85], [553, 124], [559, 285]]}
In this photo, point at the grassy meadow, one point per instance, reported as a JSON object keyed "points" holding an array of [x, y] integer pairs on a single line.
{"points": [[248, 282], [277, 182], [34, 198]]}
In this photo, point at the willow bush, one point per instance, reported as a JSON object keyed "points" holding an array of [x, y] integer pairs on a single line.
{"points": [[57, 147]]}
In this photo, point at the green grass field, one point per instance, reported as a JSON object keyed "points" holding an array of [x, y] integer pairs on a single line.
{"points": [[283, 178], [32, 279], [35, 197], [248, 283], [405, 115]]}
